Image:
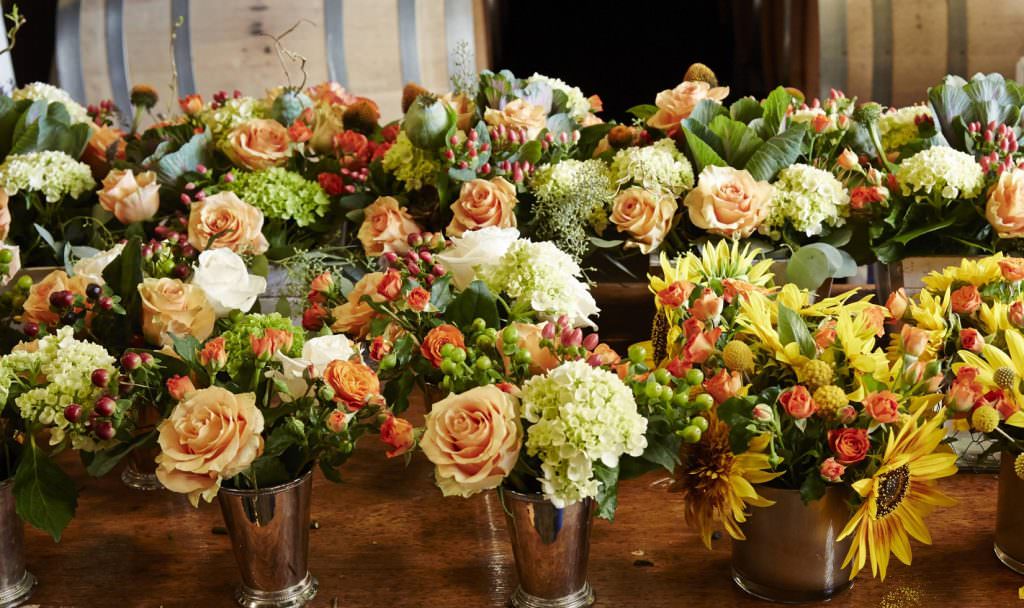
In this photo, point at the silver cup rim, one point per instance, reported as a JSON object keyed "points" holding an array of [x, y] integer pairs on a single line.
{"points": [[284, 487]]}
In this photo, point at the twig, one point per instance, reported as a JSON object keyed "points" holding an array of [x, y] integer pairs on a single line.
{"points": [[282, 52], [17, 21]]}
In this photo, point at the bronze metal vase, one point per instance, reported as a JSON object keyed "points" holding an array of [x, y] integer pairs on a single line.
{"points": [[791, 554], [140, 471], [269, 530], [16, 583], [1009, 545], [551, 548]]}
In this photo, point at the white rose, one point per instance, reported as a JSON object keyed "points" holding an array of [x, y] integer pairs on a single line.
{"points": [[317, 352], [14, 265], [473, 249], [223, 277], [91, 268]]}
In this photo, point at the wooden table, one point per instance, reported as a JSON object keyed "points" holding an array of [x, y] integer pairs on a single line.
{"points": [[388, 538]]}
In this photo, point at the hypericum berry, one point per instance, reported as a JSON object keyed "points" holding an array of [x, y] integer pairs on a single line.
{"points": [[61, 299], [69, 318], [146, 358], [131, 361], [104, 430], [106, 406], [30, 329], [591, 341], [73, 412], [106, 303], [100, 377], [93, 291]]}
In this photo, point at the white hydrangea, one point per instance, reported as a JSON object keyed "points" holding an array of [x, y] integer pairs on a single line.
{"points": [[37, 91], [546, 277], [579, 415], [950, 173], [51, 172], [658, 168], [898, 127], [577, 107], [808, 199], [233, 112], [65, 366]]}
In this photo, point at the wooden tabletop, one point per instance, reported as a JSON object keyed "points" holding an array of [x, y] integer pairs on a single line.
{"points": [[388, 538]]}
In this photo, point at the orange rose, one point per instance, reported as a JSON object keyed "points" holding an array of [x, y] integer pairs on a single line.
{"points": [[676, 294], [271, 342], [1005, 206], [37, 304], [676, 104], [131, 198], [191, 104], [1016, 314], [915, 340], [398, 434], [518, 114], [700, 345], [170, 307], [1012, 268], [435, 340], [354, 316], [464, 108], [972, 340], [965, 390], [353, 382], [418, 299], [331, 92], [390, 287], [386, 227], [483, 203], [541, 359], [897, 303], [645, 216], [708, 306], [214, 353], [260, 143], [724, 385], [101, 142], [826, 335], [849, 445], [874, 318], [729, 202], [883, 406], [605, 355], [966, 300], [179, 387], [322, 282], [237, 224], [798, 403]]}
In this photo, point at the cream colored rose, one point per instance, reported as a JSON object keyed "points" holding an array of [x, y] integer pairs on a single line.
{"points": [[464, 108], [473, 439], [170, 307], [5, 214], [237, 224], [676, 104], [131, 198], [91, 268], [327, 122], [518, 114], [212, 435], [483, 204], [386, 227], [1005, 206], [728, 201], [644, 215], [260, 143]]}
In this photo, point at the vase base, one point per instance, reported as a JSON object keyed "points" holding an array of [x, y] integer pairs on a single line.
{"points": [[580, 599], [135, 480], [785, 596], [17, 594], [295, 596], [1009, 562]]}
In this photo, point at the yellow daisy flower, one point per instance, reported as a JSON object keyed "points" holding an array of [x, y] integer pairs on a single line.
{"points": [[978, 272]]}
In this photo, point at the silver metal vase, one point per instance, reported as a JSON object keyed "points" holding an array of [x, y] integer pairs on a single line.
{"points": [[16, 583], [551, 548], [269, 530]]}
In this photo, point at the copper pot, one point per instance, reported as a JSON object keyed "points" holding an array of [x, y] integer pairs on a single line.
{"points": [[1009, 545], [791, 553]]}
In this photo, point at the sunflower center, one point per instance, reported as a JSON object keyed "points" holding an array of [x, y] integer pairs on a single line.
{"points": [[891, 489]]}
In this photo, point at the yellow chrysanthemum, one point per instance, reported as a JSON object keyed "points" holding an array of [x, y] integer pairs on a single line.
{"points": [[898, 496], [978, 272], [718, 485], [994, 318], [1000, 369], [858, 342], [931, 311]]}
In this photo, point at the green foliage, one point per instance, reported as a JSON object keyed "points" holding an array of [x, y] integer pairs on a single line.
{"points": [[44, 494]]}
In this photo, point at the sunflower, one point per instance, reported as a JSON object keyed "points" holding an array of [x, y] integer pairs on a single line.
{"points": [[718, 485], [899, 495]]}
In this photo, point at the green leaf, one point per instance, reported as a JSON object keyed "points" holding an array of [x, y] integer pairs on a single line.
{"points": [[531, 151], [775, 107], [476, 301], [777, 153], [441, 293], [101, 463], [813, 487], [270, 471], [280, 439], [283, 306], [173, 166], [608, 493], [745, 110], [793, 329], [812, 264], [187, 348], [706, 111], [643, 111], [44, 495], [605, 243], [701, 153], [739, 142], [662, 454]]}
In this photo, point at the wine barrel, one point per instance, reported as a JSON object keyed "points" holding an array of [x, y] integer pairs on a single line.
{"points": [[891, 51], [372, 47]]}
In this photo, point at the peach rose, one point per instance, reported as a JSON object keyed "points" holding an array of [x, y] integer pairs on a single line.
{"points": [[676, 294], [353, 317], [397, 433], [883, 406], [102, 140], [644, 215], [483, 203], [435, 340], [170, 307], [418, 299], [386, 227], [849, 445], [914, 339], [260, 143], [191, 104], [518, 114], [390, 287], [700, 344], [212, 435], [354, 384], [37, 304], [707, 306], [331, 92], [798, 403], [1016, 314], [178, 387], [1012, 268], [464, 108], [897, 303], [131, 198], [832, 471], [728, 202], [971, 339], [5, 214], [541, 359], [723, 386], [965, 390], [966, 300], [874, 318], [237, 224], [676, 104], [473, 439], [1005, 206]]}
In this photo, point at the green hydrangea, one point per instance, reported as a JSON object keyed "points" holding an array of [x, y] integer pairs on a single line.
{"points": [[40, 91], [808, 199], [898, 127], [282, 194], [233, 112], [940, 170], [52, 377], [53, 173], [579, 415], [410, 164], [658, 168], [570, 195], [238, 346]]}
